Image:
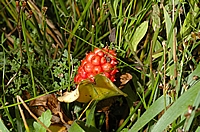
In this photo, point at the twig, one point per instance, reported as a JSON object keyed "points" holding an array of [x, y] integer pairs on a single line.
{"points": [[151, 58], [107, 120], [62, 119], [26, 107], [12, 78]]}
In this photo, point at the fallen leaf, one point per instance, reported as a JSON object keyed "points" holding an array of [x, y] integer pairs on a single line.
{"points": [[49, 101], [125, 78]]}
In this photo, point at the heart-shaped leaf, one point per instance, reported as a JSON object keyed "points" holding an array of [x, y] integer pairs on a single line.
{"points": [[100, 89], [138, 35]]}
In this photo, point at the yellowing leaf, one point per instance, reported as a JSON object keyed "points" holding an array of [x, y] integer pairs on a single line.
{"points": [[102, 88], [86, 88]]}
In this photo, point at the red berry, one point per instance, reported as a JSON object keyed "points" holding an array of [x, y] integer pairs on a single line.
{"points": [[88, 67], [78, 78], [89, 56], [113, 62], [100, 53], [103, 60], [105, 49], [112, 78], [112, 52], [96, 50], [113, 72], [91, 76], [97, 70], [96, 60], [106, 74], [82, 72], [83, 62], [107, 67]]}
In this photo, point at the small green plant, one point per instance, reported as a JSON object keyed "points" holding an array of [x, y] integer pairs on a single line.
{"points": [[61, 71], [45, 119]]}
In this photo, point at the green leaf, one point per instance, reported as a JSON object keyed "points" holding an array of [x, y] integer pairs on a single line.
{"points": [[3, 127], [80, 126], [151, 112], [90, 114], [191, 118], [19, 121], [45, 119], [124, 130], [191, 20], [198, 129], [138, 35], [75, 128], [115, 6], [178, 108], [168, 23]]}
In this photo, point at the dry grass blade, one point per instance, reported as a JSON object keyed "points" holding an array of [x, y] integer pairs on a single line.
{"points": [[22, 114]]}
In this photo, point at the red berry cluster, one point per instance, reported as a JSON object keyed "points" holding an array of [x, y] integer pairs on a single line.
{"points": [[100, 61]]}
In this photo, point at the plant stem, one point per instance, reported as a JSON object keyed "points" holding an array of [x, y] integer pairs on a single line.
{"points": [[27, 51]]}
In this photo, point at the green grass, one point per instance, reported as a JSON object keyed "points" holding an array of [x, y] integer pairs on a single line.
{"points": [[157, 42]]}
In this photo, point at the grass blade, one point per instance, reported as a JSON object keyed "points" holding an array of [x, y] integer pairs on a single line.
{"points": [[190, 120], [179, 107], [153, 110], [168, 25], [3, 127]]}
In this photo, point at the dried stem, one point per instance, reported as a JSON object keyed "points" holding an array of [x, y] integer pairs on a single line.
{"points": [[174, 48], [22, 114], [85, 109], [164, 65]]}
